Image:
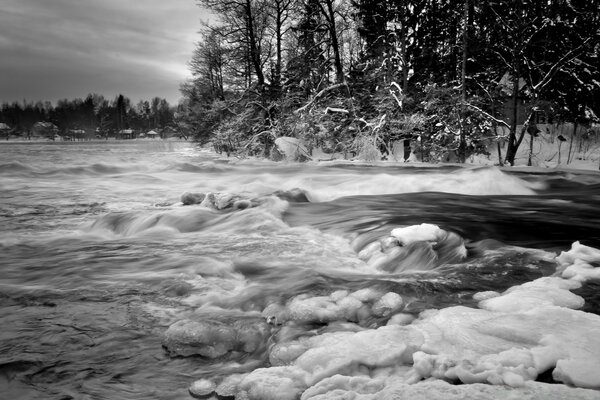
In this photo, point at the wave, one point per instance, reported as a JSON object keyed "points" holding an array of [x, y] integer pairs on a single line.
{"points": [[13, 167], [204, 167], [94, 169], [476, 182], [266, 217]]}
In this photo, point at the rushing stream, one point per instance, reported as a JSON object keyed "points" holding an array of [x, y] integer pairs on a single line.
{"points": [[314, 281]]}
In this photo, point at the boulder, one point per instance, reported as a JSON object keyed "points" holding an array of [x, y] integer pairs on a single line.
{"points": [[192, 198], [292, 148]]}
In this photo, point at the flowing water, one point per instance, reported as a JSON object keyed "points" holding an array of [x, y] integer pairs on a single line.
{"points": [[99, 258]]}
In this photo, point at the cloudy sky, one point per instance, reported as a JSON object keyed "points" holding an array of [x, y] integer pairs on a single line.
{"points": [[55, 49]]}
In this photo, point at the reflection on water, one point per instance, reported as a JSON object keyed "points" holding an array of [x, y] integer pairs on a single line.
{"points": [[99, 257]]}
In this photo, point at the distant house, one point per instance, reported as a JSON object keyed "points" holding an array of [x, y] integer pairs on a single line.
{"points": [[76, 134], [42, 129], [126, 134], [152, 134]]}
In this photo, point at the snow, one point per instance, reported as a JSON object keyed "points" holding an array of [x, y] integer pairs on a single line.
{"points": [[418, 233]]}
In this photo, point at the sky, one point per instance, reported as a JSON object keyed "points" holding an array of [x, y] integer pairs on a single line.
{"points": [[57, 49]]}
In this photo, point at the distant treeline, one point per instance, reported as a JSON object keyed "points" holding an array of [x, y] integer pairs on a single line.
{"points": [[356, 75], [93, 116]]}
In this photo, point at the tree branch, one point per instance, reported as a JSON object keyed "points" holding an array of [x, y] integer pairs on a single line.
{"points": [[489, 116]]}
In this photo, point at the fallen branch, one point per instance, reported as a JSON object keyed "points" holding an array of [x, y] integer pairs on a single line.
{"points": [[321, 93]]}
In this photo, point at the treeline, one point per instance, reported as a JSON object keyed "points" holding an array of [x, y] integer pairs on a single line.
{"points": [[94, 116], [355, 76]]}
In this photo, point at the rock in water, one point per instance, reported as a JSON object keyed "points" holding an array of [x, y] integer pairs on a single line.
{"points": [[208, 339], [192, 198], [213, 339], [202, 389], [292, 148]]}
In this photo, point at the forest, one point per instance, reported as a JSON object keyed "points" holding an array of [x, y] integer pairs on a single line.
{"points": [[90, 118], [357, 76]]}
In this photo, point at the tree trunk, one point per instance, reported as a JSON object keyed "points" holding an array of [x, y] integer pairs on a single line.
{"points": [[571, 143], [279, 39], [530, 150], [511, 149], [559, 146], [337, 59], [462, 148], [254, 53], [339, 70]]}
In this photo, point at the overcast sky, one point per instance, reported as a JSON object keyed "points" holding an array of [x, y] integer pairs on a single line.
{"points": [[56, 49]]}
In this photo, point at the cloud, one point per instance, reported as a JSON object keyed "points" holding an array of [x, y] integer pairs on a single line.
{"points": [[68, 48]]}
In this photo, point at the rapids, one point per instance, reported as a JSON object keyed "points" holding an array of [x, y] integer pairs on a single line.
{"points": [[325, 283]]}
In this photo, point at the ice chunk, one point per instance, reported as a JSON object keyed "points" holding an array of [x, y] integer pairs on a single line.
{"points": [[579, 252], [338, 306], [474, 345], [577, 262], [401, 319], [275, 383], [387, 305], [581, 271], [541, 292], [323, 356]]}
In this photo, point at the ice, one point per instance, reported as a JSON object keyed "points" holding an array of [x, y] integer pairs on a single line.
{"points": [[541, 292], [474, 345], [365, 389], [315, 358], [495, 351], [579, 252], [577, 263], [338, 306]]}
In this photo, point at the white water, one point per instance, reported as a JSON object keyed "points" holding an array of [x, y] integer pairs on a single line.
{"points": [[103, 266]]}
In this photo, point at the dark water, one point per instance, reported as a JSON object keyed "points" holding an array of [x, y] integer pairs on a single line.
{"points": [[99, 257]]}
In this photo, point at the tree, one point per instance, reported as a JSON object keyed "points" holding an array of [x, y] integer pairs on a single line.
{"points": [[243, 25]]}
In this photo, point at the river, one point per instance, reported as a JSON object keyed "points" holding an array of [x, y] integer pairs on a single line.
{"points": [[314, 281]]}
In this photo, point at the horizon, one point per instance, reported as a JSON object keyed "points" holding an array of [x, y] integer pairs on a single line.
{"points": [[107, 48]]}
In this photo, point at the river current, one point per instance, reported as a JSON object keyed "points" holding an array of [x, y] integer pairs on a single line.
{"points": [[329, 280]]}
